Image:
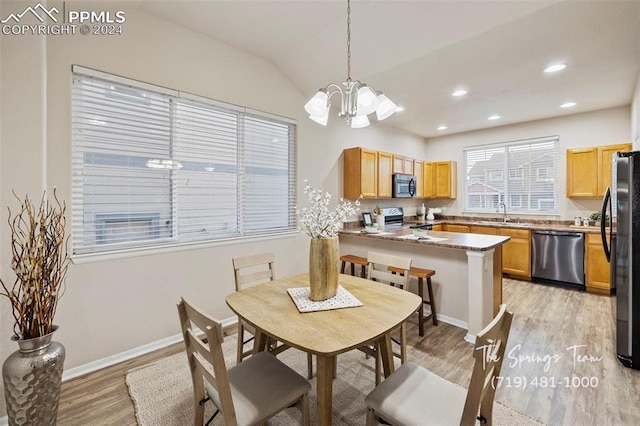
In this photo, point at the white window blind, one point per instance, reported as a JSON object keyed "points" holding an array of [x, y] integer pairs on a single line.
{"points": [[521, 174], [154, 167]]}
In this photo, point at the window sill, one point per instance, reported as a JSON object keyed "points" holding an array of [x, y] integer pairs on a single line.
{"points": [[79, 259]]}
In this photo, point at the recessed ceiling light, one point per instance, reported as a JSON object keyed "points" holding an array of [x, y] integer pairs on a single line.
{"points": [[442, 127], [459, 92], [555, 68], [494, 117], [399, 109], [568, 105]]}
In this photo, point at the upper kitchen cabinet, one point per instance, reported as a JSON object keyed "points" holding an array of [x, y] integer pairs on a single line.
{"points": [[605, 159], [440, 179], [360, 173], [582, 182], [402, 164], [385, 170]]}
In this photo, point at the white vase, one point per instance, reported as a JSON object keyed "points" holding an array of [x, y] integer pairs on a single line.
{"points": [[430, 215]]}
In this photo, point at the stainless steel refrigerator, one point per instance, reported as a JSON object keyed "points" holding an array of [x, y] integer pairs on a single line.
{"points": [[622, 200]]}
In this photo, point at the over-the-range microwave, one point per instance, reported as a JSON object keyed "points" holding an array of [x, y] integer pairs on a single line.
{"points": [[403, 185]]}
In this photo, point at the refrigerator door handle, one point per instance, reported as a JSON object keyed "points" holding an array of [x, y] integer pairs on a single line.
{"points": [[603, 214]]}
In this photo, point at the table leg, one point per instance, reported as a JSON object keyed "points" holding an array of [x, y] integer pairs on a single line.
{"points": [[259, 341], [386, 352], [324, 374]]}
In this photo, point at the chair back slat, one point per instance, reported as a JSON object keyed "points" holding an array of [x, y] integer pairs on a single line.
{"points": [[206, 359], [488, 352], [377, 269], [257, 268]]}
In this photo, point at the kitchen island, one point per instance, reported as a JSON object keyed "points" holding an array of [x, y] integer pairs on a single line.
{"points": [[468, 280]]}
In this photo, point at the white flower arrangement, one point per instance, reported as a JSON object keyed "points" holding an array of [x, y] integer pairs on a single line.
{"points": [[318, 221]]}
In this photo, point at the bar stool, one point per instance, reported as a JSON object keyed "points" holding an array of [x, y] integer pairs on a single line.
{"points": [[422, 274], [354, 260]]}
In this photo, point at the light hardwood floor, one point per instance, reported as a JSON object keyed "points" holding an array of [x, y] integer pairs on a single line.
{"points": [[547, 321]]}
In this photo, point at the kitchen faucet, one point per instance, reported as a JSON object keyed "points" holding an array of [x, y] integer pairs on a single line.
{"points": [[505, 218]]}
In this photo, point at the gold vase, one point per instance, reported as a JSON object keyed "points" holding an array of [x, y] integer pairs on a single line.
{"points": [[324, 257]]}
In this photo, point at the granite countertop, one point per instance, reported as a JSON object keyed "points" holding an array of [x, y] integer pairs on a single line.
{"points": [[451, 240], [538, 226]]}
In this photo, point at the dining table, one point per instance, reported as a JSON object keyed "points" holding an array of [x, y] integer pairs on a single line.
{"points": [[272, 312]]}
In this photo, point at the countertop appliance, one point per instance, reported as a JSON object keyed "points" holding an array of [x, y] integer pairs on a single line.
{"points": [[403, 185], [624, 253], [558, 258]]}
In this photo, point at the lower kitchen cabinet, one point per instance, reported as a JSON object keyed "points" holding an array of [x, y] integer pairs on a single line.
{"points": [[450, 227], [437, 227], [516, 253], [597, 275], [489, 230]]}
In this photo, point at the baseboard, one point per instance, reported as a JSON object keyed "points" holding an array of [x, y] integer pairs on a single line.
{"points": [[127, 355]]}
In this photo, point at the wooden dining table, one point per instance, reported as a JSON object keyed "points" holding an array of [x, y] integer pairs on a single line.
{"points": [[271, 311]]}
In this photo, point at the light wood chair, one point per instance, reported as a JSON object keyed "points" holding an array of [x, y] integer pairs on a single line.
{"points": [[413, 395], [378, 269], [247, 394], [256, 269]]}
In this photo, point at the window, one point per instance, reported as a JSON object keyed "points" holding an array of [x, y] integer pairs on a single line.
{"points": [[521, 173], [155, 167]]}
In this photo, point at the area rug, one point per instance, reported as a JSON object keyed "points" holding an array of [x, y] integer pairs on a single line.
{"points": [[162, 391]]}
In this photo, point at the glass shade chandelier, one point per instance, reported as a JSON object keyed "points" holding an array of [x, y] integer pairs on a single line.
{"points": [[358, 99]]}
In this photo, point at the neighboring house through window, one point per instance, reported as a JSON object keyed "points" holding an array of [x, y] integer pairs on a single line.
{"points": [[155, 167], [519, 173]]}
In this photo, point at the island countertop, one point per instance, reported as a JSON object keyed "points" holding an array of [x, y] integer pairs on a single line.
{"points": [[451, 240]]}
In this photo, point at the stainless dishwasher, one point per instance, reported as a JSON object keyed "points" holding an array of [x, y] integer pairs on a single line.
{"points": [[558, 258]]}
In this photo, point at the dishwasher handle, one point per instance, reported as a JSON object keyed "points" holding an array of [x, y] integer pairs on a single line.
{"points": [[560, 234]]}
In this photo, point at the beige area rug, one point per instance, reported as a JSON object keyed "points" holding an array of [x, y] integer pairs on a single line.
{"points": [[162, 391]]}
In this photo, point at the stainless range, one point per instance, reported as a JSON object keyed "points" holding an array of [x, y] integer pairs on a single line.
{"points": [[394, 216]]}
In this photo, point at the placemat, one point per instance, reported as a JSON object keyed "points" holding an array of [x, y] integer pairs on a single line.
{"points": [[342, 299]]}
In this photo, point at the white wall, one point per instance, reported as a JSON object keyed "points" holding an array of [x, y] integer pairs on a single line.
{"points": [[635, 116], [112, 306], [605, 127]]}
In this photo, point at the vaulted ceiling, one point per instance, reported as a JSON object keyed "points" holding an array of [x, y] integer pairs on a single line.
{"points": [[419, 51]]}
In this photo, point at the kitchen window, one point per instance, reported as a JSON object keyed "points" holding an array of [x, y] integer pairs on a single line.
{"points": [[526, 171], [154, 167]]}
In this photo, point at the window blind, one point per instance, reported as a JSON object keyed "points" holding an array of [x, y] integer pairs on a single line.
{"points": [[521, 174], [155, 167]]}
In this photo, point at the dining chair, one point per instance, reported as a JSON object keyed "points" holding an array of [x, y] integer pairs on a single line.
{"points": [[378, 269], [248, 393], [412, 395], [251, 270]]}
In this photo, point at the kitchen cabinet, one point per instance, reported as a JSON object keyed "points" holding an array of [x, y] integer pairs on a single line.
{"points": [[605, 158], [589, 170], [418, 173], [452, 227], [402, 164], [428, 178], [360, 173], [437, 227], [597, 278], [516, 253], [474, 229], [441, 179], [385, 170]]}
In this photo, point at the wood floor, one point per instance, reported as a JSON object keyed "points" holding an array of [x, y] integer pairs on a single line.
{"points": [[540, 376]]}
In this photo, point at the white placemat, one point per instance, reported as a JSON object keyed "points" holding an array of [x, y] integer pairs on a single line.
{"points": [[342, 299]]}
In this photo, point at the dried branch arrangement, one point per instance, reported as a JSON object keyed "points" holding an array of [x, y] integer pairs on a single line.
{"points": [[39, 260]]}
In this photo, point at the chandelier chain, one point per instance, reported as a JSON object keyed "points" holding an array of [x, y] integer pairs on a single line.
{"points": [[348, 40]]}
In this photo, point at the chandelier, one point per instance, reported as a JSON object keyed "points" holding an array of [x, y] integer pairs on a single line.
{"points": [[358, 99]]}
